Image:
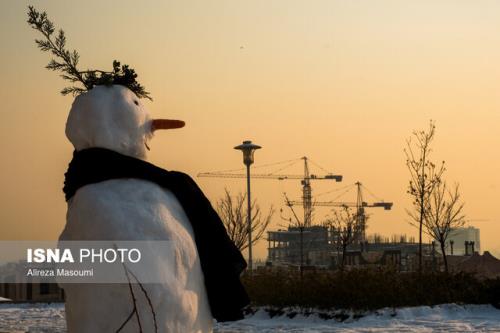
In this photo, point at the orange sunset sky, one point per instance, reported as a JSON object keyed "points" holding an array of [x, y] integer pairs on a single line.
{"points": [[342, 82]]}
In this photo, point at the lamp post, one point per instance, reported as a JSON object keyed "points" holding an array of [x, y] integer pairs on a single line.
{"points": [[248, 149]]}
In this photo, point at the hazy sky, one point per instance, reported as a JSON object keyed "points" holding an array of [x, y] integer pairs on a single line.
{"points": [[343, 82]]}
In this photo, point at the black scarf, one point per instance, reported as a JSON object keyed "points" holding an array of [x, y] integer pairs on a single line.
{"points": [[221, 262]]}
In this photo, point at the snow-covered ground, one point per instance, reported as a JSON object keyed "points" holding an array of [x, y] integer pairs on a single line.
{"points": [[444, 318], [32, 318]]}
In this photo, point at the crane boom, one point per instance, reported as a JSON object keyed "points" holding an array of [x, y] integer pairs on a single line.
{"points": [[337, 178], [385, 205], [305, 182]]}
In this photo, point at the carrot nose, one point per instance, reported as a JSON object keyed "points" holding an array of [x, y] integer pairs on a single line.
{"points": [[158, 124]]}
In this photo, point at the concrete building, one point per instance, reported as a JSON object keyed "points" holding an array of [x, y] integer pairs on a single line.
{"points": [[457, 238], [316, 246], [32, 292], [310, 246], [16, 288]]}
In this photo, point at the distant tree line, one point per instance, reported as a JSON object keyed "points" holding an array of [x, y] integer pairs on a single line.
{"points": [[367, 289]]}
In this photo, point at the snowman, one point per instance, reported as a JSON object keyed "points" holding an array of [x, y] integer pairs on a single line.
{"points": [[114, 194], [129, 209]]}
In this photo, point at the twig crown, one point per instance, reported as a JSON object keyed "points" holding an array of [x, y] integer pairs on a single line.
{"points": [[66, 61]]}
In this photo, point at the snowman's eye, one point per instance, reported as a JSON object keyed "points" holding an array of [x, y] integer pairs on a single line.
{"points": [[136, 103]]}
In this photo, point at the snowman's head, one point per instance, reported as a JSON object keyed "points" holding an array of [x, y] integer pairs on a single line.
{"points": [[113, 117]]}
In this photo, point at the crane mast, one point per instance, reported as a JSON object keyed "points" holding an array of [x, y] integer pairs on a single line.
{"points": [[360, 229], [306, 195]]}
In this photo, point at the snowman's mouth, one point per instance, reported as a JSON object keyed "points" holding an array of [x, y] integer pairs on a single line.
{"points": [[158, 124]]}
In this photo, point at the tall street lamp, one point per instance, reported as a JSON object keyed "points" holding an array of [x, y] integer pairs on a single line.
{"points": [[248, 149]]}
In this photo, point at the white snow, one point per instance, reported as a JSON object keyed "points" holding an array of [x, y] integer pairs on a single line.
{"points": [[32, 318], [109, 117], [2, 299], [442, 318], [107, 211]]}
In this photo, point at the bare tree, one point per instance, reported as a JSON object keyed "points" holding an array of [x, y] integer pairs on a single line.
{"points": [[425, 176], [343, 225], [299, 225], [233, 213], [443, 213]]}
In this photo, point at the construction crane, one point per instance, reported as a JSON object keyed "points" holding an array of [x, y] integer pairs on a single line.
{"points": [[305, 181], [359, 204]]}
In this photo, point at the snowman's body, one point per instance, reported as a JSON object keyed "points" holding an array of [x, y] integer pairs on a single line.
{"points": [[130, 209]]}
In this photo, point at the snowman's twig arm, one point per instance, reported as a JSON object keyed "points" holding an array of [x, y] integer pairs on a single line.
{"points": [[134, 301], [144, 291], [126, 320]]}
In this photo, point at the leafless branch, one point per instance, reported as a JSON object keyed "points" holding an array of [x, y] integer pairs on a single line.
{"points": [[444, 212], [343, 224], [233, 214]]}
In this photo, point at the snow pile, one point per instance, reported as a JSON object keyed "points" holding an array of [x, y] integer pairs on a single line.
{"points": [[442, 318], [37, 318], [445, 318]]}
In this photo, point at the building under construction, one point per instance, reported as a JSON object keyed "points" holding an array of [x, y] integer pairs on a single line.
{"points": [[302, 243], [300, 246], [317, 246], [305, 244]]}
